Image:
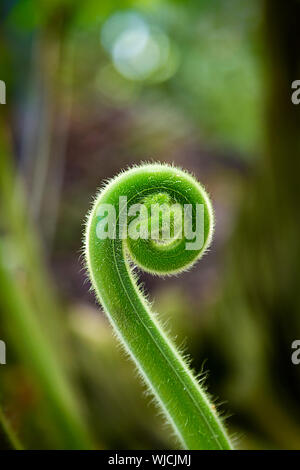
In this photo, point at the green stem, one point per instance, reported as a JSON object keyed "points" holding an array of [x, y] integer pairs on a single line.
{"points": [[163, 369], [12, 439], [36, 338], [33, 344]]}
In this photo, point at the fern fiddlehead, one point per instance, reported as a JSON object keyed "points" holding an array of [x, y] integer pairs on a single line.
{"points": [[161, 366]]}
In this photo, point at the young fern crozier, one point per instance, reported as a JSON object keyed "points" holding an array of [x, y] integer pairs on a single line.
{"points": [[109, 263]]}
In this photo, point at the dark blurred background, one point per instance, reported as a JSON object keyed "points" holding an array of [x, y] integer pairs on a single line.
{"points": [[91, 88]]}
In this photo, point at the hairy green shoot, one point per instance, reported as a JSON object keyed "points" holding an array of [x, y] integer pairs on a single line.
{"points": [[109, 263]]}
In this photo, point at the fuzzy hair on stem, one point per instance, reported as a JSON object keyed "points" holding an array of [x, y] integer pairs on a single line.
{"points": [[109, 262]]}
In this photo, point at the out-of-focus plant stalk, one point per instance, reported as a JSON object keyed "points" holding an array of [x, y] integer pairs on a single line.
{"points": [[12, 440], [21, 309]]}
